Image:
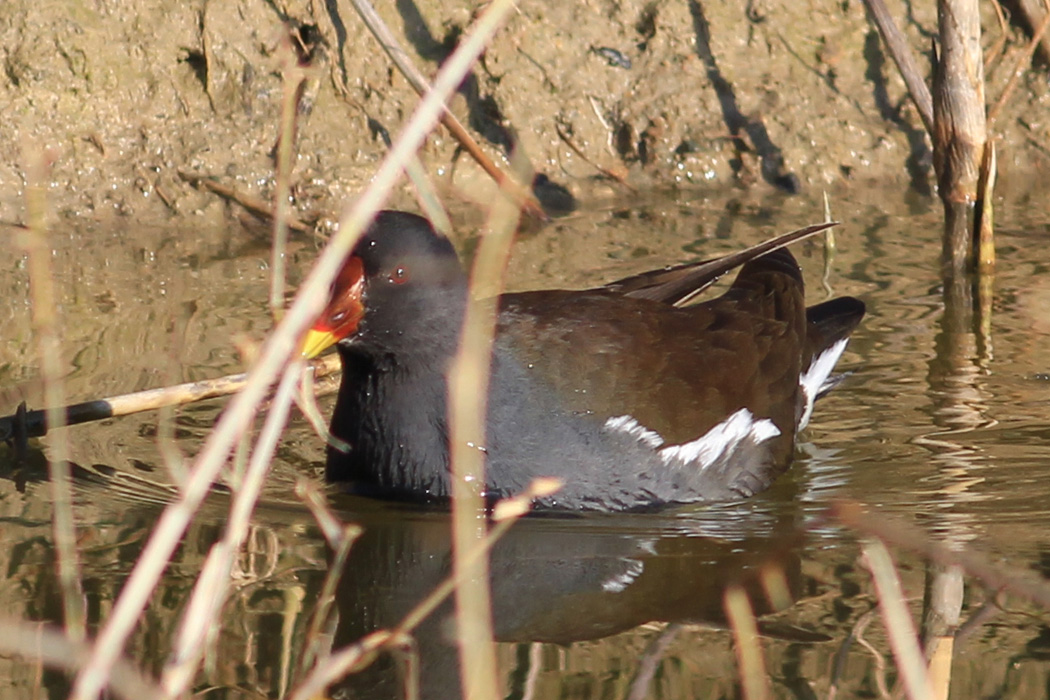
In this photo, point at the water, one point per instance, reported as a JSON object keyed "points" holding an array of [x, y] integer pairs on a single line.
{"points": [[939, 427]]}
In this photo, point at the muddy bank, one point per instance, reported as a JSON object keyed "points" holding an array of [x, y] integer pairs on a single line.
{"points": [[124, 96]]}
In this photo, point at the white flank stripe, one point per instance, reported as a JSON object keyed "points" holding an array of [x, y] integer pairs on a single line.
{"points": [[720, 440], [628, 425]]}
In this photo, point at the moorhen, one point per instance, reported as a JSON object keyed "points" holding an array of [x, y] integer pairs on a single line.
{"points": [[634, 402]]}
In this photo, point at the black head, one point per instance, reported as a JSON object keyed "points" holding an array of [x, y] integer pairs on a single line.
{"points": [[402, 248], [401, 275]]}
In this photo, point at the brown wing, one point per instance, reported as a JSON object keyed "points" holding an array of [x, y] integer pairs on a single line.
{"points": [[678, 371], [679, 284]]}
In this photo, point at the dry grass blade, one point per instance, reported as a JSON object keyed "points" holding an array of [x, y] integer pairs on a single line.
{"points": [[45, 324], [55, 650], [210, 591], [426, 195], [1023, 61], [274, 355], [899, 626]]}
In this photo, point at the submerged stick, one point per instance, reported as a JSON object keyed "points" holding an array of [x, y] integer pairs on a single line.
{"points": [[35, 423]]}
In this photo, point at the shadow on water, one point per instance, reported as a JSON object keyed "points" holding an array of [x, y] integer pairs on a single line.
{"points": [[554, 582]]}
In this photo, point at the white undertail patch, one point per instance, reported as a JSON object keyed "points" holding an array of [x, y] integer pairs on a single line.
{"points": [[812, 381]]}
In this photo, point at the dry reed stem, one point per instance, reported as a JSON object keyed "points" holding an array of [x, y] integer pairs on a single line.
{"points": [[754, 682], [205, 602], [776, 586], [292, 78], [45, 325], [902, 55], [960, 132], [359, 655], [468, 400], [522, 197], [904, 642], [275, 353], [940, 665], [994, 576]]}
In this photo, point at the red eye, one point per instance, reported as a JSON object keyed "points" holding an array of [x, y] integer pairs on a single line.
{"points": [[399, 276]]}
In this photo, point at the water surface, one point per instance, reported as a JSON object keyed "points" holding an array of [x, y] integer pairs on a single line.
{"points": [[940, 426]]}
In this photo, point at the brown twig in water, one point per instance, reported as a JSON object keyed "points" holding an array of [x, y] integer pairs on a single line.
{"points": [[257, 206], [340, 538], [650, 661], [45, 324], [274, 355], [521, 195], [604, 171], [37, 423], [905, 60], [857, 633]]}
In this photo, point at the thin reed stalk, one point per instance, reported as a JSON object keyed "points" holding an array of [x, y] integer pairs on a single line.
{"points": [[45, 325], [904, 641], [274, 354], [468, 393], [292, 78], [754, 682]]}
